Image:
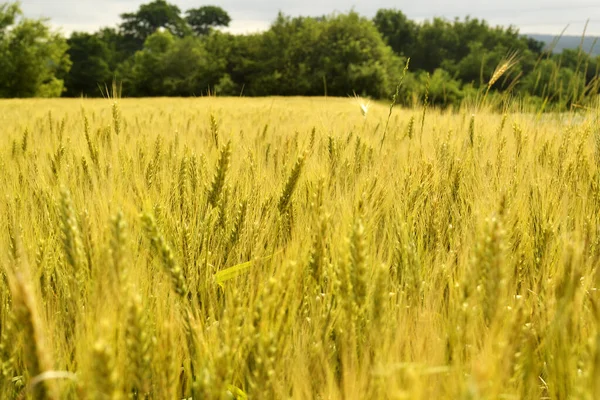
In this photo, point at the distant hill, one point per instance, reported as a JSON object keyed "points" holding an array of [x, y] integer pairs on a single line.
{"points": [[570, 42]]}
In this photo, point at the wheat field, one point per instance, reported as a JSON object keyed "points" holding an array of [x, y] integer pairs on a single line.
{"points": [[280, 248]]}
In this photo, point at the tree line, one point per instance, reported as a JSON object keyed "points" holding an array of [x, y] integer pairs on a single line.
{"points": [[159, 50]]}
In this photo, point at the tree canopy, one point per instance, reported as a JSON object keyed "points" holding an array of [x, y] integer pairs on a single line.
{"points": [[161, 50], [203, 19], [159, 14], [32, 57]]}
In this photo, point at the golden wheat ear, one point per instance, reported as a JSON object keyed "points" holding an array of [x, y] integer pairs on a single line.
{"points": [[505, 64]]}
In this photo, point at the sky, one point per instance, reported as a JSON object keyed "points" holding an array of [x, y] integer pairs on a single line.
{"points": [[530, 16]]}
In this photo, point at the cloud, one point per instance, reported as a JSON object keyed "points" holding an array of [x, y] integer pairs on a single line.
{"points": [[543, 16]]}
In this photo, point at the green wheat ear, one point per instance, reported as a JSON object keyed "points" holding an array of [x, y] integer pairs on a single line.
{"points": [[71, 235], [410, 128], [358, 263], [214, 129], [116, 114], [118, 245], [472, 131], [104, 376], [218, 181], [160, 246], [290, 184], [138, 340], [25, 141], [238, 223]]}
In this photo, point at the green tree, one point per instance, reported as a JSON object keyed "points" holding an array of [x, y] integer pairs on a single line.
{"points": [[341, 54], [286, 59], [150, 17], [8, 14], [436, 42], [443, 89], [143, 74], [90, 70], [32, 57], [119, 47], [172, 66], [479, 64], [356, 58], [399, 32], [481, 47], [233, 61], [203, 19]]}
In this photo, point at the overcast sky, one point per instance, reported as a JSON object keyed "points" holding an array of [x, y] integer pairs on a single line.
{"points": [[531, 16]]}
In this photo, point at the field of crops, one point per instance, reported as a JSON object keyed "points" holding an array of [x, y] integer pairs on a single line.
{"points": [[294, 248]]}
